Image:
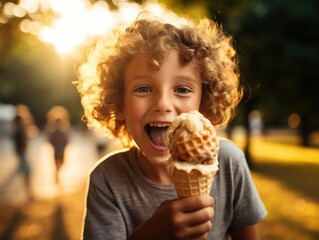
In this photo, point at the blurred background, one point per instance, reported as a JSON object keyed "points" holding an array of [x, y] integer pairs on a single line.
{"points": [[42, 42]]}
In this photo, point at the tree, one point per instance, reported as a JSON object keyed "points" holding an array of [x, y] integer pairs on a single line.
{"points": [[32, 73], [280, 44], [278, 48]]}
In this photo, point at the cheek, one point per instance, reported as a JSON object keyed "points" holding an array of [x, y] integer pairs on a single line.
{"points": [[192, 104], [134, 107], [133, 113]]}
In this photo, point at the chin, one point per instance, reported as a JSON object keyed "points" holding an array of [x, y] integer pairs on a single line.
{"points": [[158, 159], [162, 159]]}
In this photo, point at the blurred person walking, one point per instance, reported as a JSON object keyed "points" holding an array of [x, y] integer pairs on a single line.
{"points": [[59, 140], [20, 140]]}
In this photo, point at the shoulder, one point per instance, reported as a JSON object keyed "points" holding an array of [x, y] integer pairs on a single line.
{"points": [[232, 160], [229, 150], [112, 161], [114, 165]]}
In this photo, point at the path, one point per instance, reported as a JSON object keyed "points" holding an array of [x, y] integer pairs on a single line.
{"points": [[56, 212], [79, 158]]}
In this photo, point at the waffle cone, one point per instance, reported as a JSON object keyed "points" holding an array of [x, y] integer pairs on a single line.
{"points": [[194, 183], [196, 147]]}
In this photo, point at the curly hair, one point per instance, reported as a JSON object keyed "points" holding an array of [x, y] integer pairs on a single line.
{"points": [[101, 77]]}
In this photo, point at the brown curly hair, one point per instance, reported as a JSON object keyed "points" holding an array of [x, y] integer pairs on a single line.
{"points": [[101, 77]]}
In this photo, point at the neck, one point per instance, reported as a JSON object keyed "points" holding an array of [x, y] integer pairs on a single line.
{"points": [[156, 173]]}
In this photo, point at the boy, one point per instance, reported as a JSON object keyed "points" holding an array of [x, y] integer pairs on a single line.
{"points": [[135, 87]]}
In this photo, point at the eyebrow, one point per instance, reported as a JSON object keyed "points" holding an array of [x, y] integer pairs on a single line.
{"points": [[145, 76], [183, 77], [138, 77]]}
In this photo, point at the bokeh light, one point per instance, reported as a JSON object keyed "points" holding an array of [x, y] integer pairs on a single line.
{"points": [[294, 120], [75, 23]]}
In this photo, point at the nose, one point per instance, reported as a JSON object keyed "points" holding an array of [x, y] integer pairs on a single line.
{"points": [[163, 103]]}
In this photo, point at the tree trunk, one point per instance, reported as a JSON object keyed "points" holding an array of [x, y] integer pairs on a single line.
{"points": [[304, 129], [248, 109]]}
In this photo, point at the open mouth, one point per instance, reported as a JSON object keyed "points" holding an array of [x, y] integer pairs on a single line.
{"points": [[156, 133]]}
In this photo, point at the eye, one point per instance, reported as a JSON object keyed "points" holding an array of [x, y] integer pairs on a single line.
{"points": [[142, 89], [183, 90]]}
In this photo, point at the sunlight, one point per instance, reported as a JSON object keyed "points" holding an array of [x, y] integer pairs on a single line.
{"points": [[70, 29], [29, 6], [129, 11], [76, 22], [60, 36], [290, 209], [100, 11], [271, 151]]}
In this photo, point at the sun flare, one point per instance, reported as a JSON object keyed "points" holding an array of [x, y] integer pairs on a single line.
{"points": [[75, 23]]}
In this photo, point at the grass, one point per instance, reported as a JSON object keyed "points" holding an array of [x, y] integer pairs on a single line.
{"points": [[287, 178]]}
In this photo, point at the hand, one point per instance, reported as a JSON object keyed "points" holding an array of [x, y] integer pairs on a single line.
{"points": [[247, 233], [186, 218]]}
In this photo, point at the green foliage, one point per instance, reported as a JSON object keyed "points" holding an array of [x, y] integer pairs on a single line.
{"points": [[34, 75], [278, 48]]}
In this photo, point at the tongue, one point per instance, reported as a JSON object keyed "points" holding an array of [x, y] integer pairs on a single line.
{"points": [[157, 135]]}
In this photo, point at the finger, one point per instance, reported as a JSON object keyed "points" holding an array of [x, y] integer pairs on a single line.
{"points": [[203, 237], [200, 216], [190, 204], [198, 231]]}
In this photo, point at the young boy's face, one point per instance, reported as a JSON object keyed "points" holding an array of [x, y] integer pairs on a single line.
{"points": [[153, 99]]}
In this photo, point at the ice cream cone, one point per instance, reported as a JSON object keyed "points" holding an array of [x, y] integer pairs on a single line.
{"points": [[191, 179], [193, 183], [193, 145]]}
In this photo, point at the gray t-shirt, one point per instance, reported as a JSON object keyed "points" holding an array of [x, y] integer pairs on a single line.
{"points": [[120, 196]]}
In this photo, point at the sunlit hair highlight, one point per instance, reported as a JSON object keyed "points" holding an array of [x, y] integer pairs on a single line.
{"points": [[101, 77]]}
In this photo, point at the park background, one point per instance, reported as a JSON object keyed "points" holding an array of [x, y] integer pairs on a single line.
{"points": [[43, 42]]}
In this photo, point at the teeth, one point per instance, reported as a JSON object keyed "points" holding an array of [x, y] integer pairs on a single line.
{"points": [[159, 124]]}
